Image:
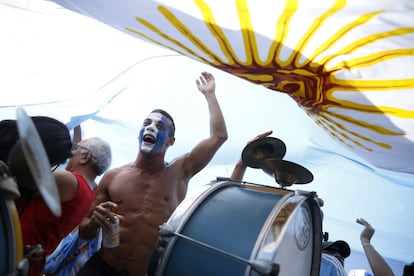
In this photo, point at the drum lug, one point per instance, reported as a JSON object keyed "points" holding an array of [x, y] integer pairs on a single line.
{"points": [[265, 268]]}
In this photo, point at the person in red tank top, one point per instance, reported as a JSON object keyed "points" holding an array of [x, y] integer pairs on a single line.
{"points": [[76, 184]]}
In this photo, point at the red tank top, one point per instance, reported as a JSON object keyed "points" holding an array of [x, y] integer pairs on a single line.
{"points": [[40, 226]]}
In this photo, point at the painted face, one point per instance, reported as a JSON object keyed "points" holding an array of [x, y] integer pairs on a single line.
{"points": [[154, 133]]}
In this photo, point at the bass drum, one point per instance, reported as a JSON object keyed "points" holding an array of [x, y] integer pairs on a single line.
{"points": [[234, 228], [11, 245]]}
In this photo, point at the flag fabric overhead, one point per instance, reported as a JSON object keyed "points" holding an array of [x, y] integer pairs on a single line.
{"points": [[348, 64], [330, 78]]}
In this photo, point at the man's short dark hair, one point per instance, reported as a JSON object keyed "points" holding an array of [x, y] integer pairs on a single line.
{"points": [[171, 128]]}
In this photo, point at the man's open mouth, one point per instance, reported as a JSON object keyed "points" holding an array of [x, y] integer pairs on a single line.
{"points": [[149, 139]]}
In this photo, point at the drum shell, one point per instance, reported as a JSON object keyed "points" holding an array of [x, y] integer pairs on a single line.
{"points": [[238, 220], [11, 244]]}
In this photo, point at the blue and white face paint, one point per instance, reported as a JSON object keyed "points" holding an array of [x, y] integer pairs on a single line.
{"points": [[154, 133]]}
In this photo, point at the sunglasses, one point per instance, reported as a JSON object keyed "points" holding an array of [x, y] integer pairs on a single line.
{"points": [[55, 167], [75, 147]]}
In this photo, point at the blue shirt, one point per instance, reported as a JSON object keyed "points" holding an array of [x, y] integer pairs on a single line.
{"points": [[331, 266]]}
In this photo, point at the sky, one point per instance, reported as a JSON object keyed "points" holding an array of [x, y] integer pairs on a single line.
{"points": [[64, 65]]}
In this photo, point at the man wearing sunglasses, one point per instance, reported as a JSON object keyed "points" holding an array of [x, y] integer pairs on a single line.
{"points": [[76, 184]]}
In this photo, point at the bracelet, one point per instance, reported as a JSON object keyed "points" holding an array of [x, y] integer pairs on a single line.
{"points": [[366, 244]]}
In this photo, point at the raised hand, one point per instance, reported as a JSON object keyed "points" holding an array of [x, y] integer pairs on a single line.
{"points": [[206, 83], [367, 232]]}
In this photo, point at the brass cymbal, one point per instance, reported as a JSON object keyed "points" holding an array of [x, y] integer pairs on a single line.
{"points": [[261, 149], [287, 173]]}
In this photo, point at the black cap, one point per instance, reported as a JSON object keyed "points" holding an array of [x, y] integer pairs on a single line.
{"points": [[340, 246]]}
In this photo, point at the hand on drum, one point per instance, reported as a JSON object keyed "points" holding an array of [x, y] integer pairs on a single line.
{"points": [[34, 253], [103, 216]]}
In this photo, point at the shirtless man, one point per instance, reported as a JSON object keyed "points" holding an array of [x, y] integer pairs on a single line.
{"points": [[144, 193]]}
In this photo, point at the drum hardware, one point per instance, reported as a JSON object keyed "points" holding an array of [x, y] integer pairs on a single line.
{"points": [[267, 153], [261, 149], [325, 236], [23, 267], [286, 173], [38, 162], [8, 187], [261, 267]]}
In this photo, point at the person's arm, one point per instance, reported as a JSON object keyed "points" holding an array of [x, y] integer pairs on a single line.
{"points": [[204, 151], [240, 167], [67, 184], [99, 214], [377, 263], [238, 171], [77, 135]]}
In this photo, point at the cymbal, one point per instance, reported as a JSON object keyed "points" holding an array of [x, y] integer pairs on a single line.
{"points": [[287, 173], [38, 162], [261, 149]]}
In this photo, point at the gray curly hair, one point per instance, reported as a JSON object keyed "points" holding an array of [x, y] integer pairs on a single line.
{"points": [[101, 153]]}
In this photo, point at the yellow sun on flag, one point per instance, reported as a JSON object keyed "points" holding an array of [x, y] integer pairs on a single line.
{"points": [[313, 80]]}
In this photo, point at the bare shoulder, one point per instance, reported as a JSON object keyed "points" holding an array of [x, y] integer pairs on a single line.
{"points": [[63, 177], [179, 162], [67, 184], [115, 171]]}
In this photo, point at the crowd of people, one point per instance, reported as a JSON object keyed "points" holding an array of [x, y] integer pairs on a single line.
{"points": [[140, 195]]}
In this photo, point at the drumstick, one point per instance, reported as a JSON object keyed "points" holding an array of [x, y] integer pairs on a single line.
{"points": [[263, 267], [36, 249]]}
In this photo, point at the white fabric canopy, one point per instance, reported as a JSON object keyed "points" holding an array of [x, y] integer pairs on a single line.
{"points": [[62, 64]]}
